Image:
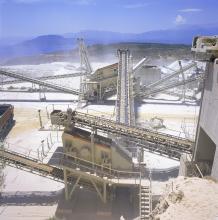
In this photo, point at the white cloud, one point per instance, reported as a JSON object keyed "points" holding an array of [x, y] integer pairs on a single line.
{"points": [[186, 10], [180, 20], [136, 5], [82, 2]]}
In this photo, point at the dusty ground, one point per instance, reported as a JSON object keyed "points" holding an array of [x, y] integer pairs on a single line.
{"points": [[198, 201], [27, 212], [25, 137], [26, 120]]}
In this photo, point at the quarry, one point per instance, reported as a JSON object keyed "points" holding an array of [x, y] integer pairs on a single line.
{"points": [[124, 138]]}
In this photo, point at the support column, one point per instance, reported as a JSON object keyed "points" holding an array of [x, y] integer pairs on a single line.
{"points": [[93, 146], [40, 119], [74, 186], [183, 78], [104, 192], [102, 195], [66, 185], [43, 148]]}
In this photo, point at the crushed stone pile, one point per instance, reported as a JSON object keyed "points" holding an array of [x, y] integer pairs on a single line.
{"points": [[190, 199]]}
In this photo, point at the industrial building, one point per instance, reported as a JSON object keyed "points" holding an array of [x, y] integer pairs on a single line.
{"points": [[205, 154], [101, 83]]}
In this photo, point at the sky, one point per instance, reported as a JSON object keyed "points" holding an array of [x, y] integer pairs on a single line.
{"points": [[27, 18]]}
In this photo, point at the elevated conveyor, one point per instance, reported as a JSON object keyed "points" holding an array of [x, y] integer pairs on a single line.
{"points": [[39, 82], [61, 76], [78, 168], [156, 90], [75, 176], [154, 141], [32, 165], [172, 75]]}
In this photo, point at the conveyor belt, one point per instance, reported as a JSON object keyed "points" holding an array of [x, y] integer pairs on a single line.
{"points": [[78, 168], [32, 165], [156, 90], [39, 82], [61, 76], [145, 137], [172, 75]]}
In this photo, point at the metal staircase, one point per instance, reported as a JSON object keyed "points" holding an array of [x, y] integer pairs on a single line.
{"points": [[145, 202]]}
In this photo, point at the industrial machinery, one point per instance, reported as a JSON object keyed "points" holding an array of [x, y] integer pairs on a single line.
{"points": [[96, 149], [102, 83], [125, 100], [6, 119], [205, 47], [164, 144]]}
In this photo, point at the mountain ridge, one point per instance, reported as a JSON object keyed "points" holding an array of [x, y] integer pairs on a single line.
{"points": [[51, 43]]}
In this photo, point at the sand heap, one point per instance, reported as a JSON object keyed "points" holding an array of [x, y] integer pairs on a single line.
{"points": [[189, 199]]}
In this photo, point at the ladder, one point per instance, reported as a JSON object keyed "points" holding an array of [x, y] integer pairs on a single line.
{"points": [[145, 202]]}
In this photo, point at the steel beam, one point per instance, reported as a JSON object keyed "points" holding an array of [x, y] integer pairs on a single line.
{"points": [[74, 186]]}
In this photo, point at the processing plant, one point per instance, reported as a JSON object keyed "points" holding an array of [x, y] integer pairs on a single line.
{"points": [[96, 152]]}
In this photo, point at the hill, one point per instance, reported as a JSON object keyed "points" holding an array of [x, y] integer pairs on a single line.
{"points": [[182, 34], [100, 52]]}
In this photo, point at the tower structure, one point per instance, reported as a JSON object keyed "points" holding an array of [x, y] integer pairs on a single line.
{"points": [[85, 66]]}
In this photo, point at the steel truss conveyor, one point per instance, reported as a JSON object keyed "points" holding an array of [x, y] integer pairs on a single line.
{"points": [[172, 75], [61, 76], [39, 82], [156, 142], [32, 165], [172, 85], [93, 177]]}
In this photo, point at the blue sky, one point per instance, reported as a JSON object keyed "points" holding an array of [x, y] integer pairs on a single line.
{"points": [[37, 17]]}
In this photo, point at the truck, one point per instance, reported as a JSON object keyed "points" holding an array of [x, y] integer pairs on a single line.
{"points": [[6, 119]]}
